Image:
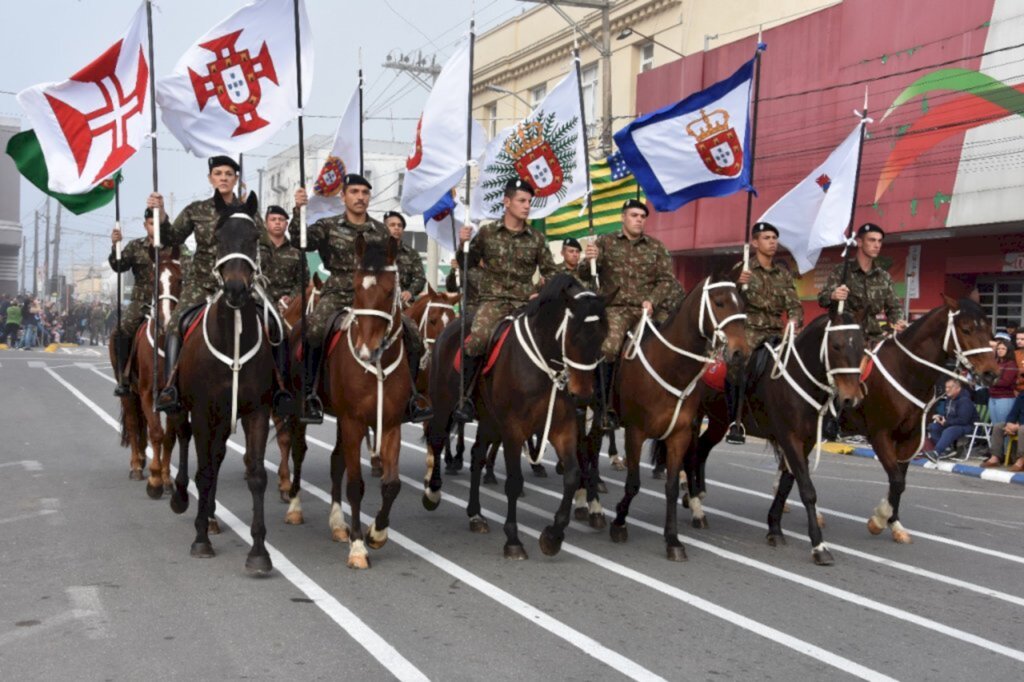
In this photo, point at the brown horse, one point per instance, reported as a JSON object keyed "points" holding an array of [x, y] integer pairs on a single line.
{"points": [[226, 372], [367, 384], [659, 370], [139, 421], [542, 374]]}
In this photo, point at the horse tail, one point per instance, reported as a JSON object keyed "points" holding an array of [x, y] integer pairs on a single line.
{"points": [[125, 436], [133, 418], [659, 453]]}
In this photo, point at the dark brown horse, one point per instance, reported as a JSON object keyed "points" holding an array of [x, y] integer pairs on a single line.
{"points": [[542, 375], [660, 368], [226, 372]]}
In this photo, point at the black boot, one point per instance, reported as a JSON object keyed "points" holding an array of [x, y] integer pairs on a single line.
{"points": [[605, 375], [314, 412], [167, 401], [283, 401], [737, 435], [122, 349], [413, 412], [466, 411]]}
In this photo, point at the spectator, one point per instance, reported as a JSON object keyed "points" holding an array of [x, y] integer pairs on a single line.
{"points": [[1019, 354], [1000, 431], [1000, 393], [957, 421], [12, 323]]}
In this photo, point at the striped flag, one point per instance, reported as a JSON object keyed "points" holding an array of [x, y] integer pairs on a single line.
{"points": [[612, 184]]}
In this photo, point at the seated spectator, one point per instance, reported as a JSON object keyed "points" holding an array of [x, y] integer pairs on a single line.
{"points": [[957, 421], [1000, 393], [1019, 355], [1001, 431]]}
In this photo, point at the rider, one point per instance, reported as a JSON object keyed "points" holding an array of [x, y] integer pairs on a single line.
{"points": [[571, 251], [334, 238], [639, 266], [281, 264], [768, 292], [199, 218], [513, 253], [137, 256]]}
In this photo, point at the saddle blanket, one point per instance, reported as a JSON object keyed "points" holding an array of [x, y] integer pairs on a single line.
{"points": [[492, 356], [714, 377]]}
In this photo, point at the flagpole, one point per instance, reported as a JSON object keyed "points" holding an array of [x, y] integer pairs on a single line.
{"points": [[848, 233], [360, 111], [586, 157], [117, 257], [157, 217], [302, 209], [241, 175], [464, 265], [753, 154]]}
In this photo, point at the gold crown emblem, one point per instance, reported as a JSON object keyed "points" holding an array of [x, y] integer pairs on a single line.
{"points": [[710, 125], [526, 137]]}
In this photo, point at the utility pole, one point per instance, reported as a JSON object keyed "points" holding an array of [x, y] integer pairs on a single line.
{"points": [[56, 249], [259, 185], [46, 252], [24, 263], [35, 259]]}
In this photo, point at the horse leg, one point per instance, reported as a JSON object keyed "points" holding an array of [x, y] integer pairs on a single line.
{"points": [[460, 447], [336, 519], [784, 484], [157, 435], [438, 439], [691, 498], [179, 493], [205, 474], [478, 456], [256, 429], [795, 452], [354, 489], [221, 451], [634, 442], [492, 454], [390, 485], [675, 446], [283, 436], [586, 456], [885, 514], [296, 438], [513, 449], [132, 435], [564, 443]]}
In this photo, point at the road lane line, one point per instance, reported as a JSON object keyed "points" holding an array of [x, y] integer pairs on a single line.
{"points": [[30, 515], [85, 599]]}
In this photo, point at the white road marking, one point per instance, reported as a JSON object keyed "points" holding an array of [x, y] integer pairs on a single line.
{"points": [[998, 524], [36, 364], [28, 464], [30, 515], [85, 600], [374, 644]]}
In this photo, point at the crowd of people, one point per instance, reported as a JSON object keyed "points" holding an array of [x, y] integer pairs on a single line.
{"points": [[26, 322]]}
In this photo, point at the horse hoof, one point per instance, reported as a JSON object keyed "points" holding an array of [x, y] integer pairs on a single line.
{"points": [[213, 527], [258, 565], [580, 513], [358, 561], [601, 487], [539, 471], [699, 522], [155, 492], [658, 475], [549, 544], [873, 526], [675, 553], [515, 553], [478, 524], [294, 518], [458, 463], [598, 521], [618, 533], [776, 539], [339, 534], [618, 464], [179, 503], [202, 550], [285, 497], [449, 468], [431, 500], [901, 537], [822, 557], [490, 478], [376, 539], [135, 475]]}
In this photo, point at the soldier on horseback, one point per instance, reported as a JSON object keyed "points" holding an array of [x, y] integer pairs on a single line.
{"points": [[513, 253], [137, 256], [334, 238], [281, 265], [571, 252], [639, 266], [768, 293]]}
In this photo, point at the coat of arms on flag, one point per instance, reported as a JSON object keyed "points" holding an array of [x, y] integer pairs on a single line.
{"points": [[541, 151], [717, 143], [328, 183]]}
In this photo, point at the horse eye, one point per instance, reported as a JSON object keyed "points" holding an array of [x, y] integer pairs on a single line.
{"points": [[719, 304], [836, 346]]}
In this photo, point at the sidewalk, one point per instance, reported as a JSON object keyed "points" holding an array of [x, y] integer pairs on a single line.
{"points": [[998, 475]]}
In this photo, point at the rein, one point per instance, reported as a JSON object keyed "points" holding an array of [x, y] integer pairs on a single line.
{"points": [[236, 361]]}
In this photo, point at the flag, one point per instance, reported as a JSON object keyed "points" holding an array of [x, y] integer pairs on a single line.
{"points": [[437, 220], [345, 157], [235, 87], [438, 161], [612, 183], [28, 157], [694, 148], [546, 149], [814, 214], [89, 125]]}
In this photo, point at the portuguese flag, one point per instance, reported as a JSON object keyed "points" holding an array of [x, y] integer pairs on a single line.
{"points": [[28, 157]]}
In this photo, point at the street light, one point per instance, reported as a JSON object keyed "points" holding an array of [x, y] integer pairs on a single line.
{"points": [[504, 91], [628, 31]]}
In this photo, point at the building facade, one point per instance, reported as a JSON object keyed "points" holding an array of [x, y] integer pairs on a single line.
{"points": [[10, 213]]}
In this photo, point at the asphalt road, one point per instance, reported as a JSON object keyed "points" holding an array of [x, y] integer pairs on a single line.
{"points": [[96, 581]]}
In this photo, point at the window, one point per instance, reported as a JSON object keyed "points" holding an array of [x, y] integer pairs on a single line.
{"points": [[491, 111], [537, 94], [588, 84], [646, 57], [1003, 300]]}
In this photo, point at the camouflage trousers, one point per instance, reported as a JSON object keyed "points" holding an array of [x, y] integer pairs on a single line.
{"points": [[192, 294], [131, 318], [332, 302], [758, 335], [620, 320], [485, 321]]}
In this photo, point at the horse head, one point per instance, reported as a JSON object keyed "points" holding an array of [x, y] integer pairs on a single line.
{"points": [[842, 352], [721, 318], [968, 338], [375, 306], [169, 286], [237, 249]]}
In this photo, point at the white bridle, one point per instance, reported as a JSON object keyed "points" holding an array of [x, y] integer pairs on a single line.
{"points": [[235, 361]]}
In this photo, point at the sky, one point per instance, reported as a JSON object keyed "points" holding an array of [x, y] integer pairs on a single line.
{"points": [[51, 39]]}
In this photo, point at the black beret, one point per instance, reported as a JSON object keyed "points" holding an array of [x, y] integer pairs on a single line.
{"points": [[393, 214], [215, 161], [635, 203], [869, 227], [763, 227], [147, 214], [572, 243], [516, 184], [356, 179], [277, 210]]}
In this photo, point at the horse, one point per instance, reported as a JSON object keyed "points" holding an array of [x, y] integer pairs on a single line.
{"points": [[900, 385], [659, 369], [541, 375], [367, 384], [226, 372], [788, 394]]}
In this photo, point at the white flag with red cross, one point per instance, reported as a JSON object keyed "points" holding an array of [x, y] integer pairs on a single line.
{"points": [[236, 86], [90, 124]]}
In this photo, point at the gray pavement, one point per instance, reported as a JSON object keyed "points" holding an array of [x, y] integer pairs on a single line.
{"points": [[96, 580]]}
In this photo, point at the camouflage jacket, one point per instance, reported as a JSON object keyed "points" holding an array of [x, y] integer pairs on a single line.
{"points": [[137, 256], [334, 238], [870, 291], [410, 270], [640, 268], [510, 259], [282, 266], [199, 219], [575, 272], [769, 294], [453, 284]]}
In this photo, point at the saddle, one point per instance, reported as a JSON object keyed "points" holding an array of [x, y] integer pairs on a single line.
{"points": [[494, 346], [759, 361], [189, 320], [333, 335]]}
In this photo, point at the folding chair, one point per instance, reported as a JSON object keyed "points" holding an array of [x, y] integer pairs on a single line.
{"points": [[982, 431]]}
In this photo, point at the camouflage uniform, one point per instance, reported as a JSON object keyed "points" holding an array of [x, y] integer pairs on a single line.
{"points": [[282, 266], [871, 290], [642, 271], [506, 282], [575, 272], [410, 270], [770, 293], [453, 285], [137, 256]]}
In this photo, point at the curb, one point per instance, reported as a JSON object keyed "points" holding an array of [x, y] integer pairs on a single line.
{"points": [[998, 475]]}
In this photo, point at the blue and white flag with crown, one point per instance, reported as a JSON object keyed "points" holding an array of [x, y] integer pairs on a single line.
{"points": [[694, 148]]}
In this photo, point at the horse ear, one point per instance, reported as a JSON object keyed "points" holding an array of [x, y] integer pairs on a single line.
{"points": [[218, 204], [360, 247], [430, 290], [252, 204], [608, 298], [950, 302], [453, 298]]}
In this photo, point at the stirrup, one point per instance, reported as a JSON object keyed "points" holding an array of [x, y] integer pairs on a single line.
{"points": [[737, 435], [122, 390], [465, 412], [414, 414], [284, 404], [609, 420], [167, 401], [314, 410]]}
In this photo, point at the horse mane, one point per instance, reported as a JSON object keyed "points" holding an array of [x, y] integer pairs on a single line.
{"points": [[551, 293], [375, 257]]}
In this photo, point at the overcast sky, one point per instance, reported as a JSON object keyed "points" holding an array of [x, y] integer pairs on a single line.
{"points": [[48, 40]]}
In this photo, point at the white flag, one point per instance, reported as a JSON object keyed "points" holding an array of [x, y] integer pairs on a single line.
{"points": [[814, 214], [90, 124], [545, 149], [236, 86], [345, 158]]}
